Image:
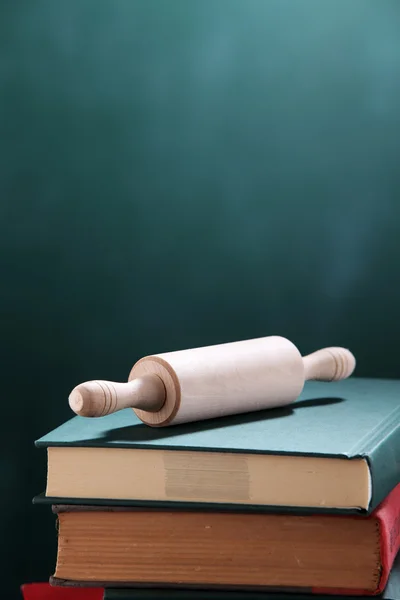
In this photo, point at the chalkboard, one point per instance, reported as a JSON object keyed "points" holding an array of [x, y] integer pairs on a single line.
{"points": [[177, 173]]}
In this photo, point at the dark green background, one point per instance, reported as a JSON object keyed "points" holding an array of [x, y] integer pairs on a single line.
{"points": [[185, 172]]}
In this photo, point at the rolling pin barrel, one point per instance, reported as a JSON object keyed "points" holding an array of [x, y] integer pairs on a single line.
{"points": [[213, 381]]}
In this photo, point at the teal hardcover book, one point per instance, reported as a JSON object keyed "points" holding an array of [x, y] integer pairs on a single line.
{"points": [[337, 448]]}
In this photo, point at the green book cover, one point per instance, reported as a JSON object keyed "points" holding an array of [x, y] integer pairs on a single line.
{"points": [[391, 592], [347, 420]]}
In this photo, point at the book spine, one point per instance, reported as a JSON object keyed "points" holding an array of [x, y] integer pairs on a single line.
{"points": [[388, 515], [383, 458]]}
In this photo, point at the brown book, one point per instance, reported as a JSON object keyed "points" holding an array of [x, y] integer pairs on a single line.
{"points": [[308, 553]]}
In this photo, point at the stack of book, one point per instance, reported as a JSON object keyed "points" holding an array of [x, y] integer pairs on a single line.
{"points": [[300, 500]]}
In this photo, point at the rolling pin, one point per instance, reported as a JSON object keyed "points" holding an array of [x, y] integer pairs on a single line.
{"points": [[212, 381]]}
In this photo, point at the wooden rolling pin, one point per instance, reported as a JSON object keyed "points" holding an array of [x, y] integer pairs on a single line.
{"points": [[213, 381]]}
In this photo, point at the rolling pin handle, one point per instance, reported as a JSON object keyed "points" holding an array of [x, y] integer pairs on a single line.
{"points": [[329, 364], [100, 398]]}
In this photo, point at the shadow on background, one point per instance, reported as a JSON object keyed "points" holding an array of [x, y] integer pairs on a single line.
{"points": [[176, 174]]}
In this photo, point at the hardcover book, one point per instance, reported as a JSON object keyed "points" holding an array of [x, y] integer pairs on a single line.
{"points": [[124, 546], [337, 448], [44, 591], [391, 592]]}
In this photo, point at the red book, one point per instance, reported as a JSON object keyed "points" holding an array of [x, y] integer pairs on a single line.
{"points": [[387, 515], [45, 591]]}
